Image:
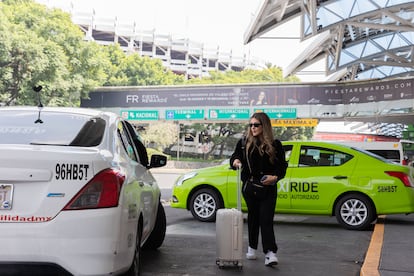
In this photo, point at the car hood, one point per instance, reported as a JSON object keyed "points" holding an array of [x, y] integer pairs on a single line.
{"points": [[212, 170]]}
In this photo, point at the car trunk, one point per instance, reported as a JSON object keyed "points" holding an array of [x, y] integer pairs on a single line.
{"points": [[36, 182]]}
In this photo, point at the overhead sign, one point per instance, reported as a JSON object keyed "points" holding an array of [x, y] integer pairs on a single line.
{"points": [[184, 114], [230, 96], [295, 123], [278, 113], [139, 115], [229, 114]]}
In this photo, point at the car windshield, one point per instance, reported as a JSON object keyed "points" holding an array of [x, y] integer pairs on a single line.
{"points": [[50, 128]]}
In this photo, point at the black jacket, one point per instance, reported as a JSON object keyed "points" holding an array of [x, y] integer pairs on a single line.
{"points": [[260, 165]]}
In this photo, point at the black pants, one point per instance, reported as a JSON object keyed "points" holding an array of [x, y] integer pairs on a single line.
{"points": [[260, 218]]}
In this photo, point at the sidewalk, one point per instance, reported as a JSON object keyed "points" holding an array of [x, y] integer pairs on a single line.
{"points": [[391, 248]]}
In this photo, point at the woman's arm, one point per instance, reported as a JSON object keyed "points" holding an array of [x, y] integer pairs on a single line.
{"points": [[237, 156]]}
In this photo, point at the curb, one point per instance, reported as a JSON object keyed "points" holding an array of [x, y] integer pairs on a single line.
{"points": [[169, 170]]}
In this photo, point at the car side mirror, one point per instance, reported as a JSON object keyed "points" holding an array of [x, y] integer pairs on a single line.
{"points": [[157, 161]]}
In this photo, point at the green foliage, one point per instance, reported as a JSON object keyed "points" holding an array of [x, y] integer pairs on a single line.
{"points": [[146, 71], [293, 133], [267, 75], [161, 134], [223, 137], [40, 46], [133, 70]]}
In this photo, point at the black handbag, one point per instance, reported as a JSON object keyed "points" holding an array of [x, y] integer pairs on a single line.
{"points": [[254, 188]]}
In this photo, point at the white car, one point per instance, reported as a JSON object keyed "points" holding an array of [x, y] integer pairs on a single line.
{"points": [[76, 193]]}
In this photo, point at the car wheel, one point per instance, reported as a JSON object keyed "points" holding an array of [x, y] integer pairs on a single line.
{"points": [[204, 204], [135, 268], [157, 235], [355, 212]]}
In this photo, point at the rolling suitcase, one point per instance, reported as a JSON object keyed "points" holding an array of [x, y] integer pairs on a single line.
{"points": [[229, 233]]}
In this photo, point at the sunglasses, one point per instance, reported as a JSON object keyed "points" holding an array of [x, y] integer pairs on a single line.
{"points": [[255, 125]]}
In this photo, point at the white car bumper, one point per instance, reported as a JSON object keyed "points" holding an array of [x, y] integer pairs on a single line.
{"points": [[83, 242]]}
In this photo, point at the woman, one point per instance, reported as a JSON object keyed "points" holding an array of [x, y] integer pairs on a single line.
{"points": [[261, 99], [263, 163]]}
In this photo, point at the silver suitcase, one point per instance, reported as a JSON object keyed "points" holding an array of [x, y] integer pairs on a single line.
{"points": [[229, 233]]}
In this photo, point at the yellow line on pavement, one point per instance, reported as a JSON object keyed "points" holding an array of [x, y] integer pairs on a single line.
{"points": [[373, 256]]}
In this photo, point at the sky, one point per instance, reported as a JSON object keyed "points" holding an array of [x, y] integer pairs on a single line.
{"points": [[215, 23]]}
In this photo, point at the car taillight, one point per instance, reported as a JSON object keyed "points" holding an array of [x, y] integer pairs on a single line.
{"points": [[401, 176], [102, 191]]}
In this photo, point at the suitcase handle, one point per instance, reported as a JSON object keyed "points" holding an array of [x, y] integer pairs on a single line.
{"points": [[238, 189]]}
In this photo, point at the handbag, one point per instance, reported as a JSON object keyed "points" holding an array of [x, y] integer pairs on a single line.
{"points": [[254, 188]]}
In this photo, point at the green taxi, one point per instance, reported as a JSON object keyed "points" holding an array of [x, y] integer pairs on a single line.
{"points": [[322, 178]]}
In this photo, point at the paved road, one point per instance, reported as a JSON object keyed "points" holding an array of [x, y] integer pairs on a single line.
{"points": [[308, 245]]}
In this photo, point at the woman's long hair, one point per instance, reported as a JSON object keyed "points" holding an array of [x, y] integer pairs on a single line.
{"points": [[263, 142]]}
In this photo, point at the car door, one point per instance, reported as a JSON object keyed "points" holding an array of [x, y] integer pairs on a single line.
{"points": [[142, 187], [319, 175], [283, 200]]}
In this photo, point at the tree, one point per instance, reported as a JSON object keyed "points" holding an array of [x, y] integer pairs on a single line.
{"points": [[43, 47], [130, 69], [162, 134], [267, 75], [146, 71], [114, 58], [293, 133]]}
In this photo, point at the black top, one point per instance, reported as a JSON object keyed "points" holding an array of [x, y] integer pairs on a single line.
{"points": [[260, 165]]}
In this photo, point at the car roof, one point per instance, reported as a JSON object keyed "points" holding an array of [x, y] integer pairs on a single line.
{"points": [[317, 143], [74, 110]]}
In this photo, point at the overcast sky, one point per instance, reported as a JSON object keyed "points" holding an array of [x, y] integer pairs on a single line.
{"points": [[215, 23]]}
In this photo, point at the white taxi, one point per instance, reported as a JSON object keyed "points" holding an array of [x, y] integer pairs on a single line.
{"points": [[76, 193]]}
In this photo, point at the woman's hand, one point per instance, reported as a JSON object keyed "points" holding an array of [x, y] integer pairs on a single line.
{"points": [[269, 179], [237, 164]]}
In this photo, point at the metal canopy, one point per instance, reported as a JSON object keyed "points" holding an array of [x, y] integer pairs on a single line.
{"points": [[359, 39]]}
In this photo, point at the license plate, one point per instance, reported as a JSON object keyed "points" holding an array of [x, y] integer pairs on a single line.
{"points": [[6, 196]]}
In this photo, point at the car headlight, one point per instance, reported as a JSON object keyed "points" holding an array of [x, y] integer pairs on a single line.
{"points": [[185, 177]]}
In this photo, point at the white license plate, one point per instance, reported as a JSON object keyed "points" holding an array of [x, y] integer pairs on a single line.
{"points": [[6, 196]]}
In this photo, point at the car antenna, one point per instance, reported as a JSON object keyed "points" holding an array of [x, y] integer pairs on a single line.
{"points": [[37, 89]]}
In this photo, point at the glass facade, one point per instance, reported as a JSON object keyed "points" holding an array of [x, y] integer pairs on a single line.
{"points": [[362, 39]]}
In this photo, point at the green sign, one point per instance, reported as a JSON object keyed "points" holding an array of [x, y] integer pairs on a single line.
{"points": [[229, 113], [139, 115], [279, 113], [184, 114]]}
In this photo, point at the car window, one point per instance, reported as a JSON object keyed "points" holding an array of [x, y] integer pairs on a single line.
{"points": [[318, 156], [393, 155], [50, 128], [373, 155], [288, 152], [127, 141], [139, 146], [90, 134]]}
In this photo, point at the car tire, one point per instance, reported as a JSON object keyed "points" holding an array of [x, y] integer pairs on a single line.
{"points": [[355, 212], [135, 268], [157, 235], [204, 204]]}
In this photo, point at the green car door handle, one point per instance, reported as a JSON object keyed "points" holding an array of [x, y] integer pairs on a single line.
{"points": [[341, 177]]}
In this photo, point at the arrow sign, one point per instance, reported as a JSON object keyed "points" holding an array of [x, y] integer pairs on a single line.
{"points": [[184, 114], [278, 113]]}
